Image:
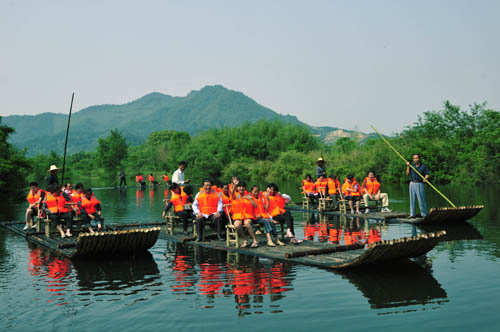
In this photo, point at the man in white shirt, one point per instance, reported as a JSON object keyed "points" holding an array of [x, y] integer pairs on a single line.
{"points": [[178, 176]]}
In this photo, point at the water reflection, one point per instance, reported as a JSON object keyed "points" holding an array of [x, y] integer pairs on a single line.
{"points": [[117, 273], [53, 272], [117, 277], [342, 230], [404, 284], [250, 281]]}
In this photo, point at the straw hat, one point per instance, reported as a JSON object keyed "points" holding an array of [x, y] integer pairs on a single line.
{"points": [[320, 159], [52, 168]]}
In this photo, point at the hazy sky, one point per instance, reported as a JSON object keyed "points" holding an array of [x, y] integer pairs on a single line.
{"points": [[338, 63]]}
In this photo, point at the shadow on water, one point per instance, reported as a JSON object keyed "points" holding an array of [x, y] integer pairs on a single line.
{"points": [[117, 273], [253, 283], [397, 285]]}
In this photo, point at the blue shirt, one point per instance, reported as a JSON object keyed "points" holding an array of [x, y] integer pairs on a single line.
{"points": [[320, 171], [422, 169]]}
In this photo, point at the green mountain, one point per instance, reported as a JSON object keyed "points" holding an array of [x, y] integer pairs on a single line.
{"points": [[210, 107]]}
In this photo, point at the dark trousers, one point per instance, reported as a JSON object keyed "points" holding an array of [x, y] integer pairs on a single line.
{"points": [[287, 219], [62, 218], [313, 198], [123, 181], [184, 217], [89, 222], [217, 222]]}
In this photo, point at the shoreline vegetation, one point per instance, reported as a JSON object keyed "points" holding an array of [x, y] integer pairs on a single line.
{"points": [[460, 147]]}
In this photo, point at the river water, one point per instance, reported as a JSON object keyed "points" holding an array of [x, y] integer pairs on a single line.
{"points": [[455, 286]]}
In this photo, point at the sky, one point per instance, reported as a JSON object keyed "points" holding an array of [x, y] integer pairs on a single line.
{"points": [[347, 64]]}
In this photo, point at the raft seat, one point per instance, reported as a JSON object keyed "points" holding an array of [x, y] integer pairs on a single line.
{"points": [[306, 201], [171, 220], [325, 202], [232, 236]]}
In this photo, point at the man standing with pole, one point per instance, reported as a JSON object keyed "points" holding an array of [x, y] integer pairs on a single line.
{"points": [[417, 187]]}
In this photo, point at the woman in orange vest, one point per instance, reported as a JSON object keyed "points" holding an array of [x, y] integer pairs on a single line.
{"points": [[207, 206], [152, 180], [139, 179], [352, 192], [90, 209], [35, 196], [263, 217], [57, 207], [226, 197], [242, 212], [277, 210], [309, 188], [321, 185], [371, 191], [76, 197], [178, 200]]}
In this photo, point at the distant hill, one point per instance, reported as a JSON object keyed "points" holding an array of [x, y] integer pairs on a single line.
{"points": [[210, 107]]}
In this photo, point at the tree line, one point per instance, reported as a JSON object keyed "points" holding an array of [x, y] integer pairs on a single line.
{"points": [[459, 146]]}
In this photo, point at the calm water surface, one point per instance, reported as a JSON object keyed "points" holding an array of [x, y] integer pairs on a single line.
{"points": [[456, 285]]}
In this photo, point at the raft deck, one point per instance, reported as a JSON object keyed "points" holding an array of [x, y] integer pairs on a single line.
{"points": [[116, 240], [322, 254], [436, 216]]}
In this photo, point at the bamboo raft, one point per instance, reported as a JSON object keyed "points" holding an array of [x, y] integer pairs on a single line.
{"points": [[324, 255], [115, 241], [436, 216]]}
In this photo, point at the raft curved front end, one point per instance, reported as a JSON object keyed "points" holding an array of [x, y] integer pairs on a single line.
{"points": [[116, 242], [394, 249]]}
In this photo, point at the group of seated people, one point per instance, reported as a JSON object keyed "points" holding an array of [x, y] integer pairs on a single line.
{"points": [[139, 179], [62, 204], [233, 203], [351, 191]]}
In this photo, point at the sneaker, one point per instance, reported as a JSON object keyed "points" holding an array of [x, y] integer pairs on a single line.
{"points": [[386, 209], [25, 227], [367, 210]]}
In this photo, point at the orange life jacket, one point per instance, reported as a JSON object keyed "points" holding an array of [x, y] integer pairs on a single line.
{"points": [[225, 199], [260, 210], [309, 187], [371, 187], [332, 187], [56, 204], [208, 202], [151, 178], [321, 185], [165, 177], [276, 205], [89, 204], [76, 197], [351, 185], [179, 200], [242, 209], [33, 198], [139, 178]]}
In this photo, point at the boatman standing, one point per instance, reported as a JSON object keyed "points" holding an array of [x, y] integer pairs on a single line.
{"points": [[417, 187], [52, 178], [320, 170], [178, 176]]}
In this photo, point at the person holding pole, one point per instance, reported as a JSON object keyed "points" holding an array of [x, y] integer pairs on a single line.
{"points": [[417, 187]]}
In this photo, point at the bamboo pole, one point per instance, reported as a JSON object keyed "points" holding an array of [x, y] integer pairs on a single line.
{"points": [[426, 181], [67, 134]]}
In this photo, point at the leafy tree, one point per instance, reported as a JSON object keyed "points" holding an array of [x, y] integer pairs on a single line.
{"points": [[13, 165], [111, 151]]}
